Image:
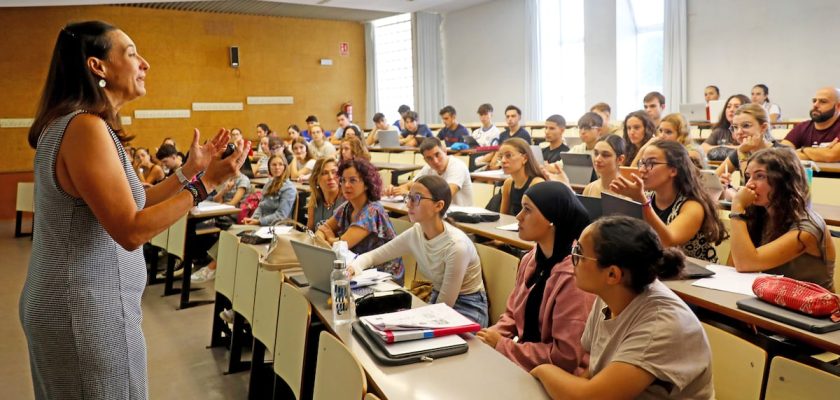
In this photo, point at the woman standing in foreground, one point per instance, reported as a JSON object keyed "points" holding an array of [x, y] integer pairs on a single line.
{"points": [[80, 306]]}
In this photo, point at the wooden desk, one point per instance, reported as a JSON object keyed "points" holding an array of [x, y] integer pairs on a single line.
{"points": [[399, 149], [493, 176], [830, 213], [831, 168], [397, 170], [724, 303], [480, 373]]}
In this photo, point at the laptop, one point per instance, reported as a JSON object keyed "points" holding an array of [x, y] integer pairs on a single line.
{"points": [[247, 169], [536, 152], [694, 112], [715, 109], [317, 263], [693, 270], [388, 138], [592, 206], [614, 205], [578, 168], [711, 183]]}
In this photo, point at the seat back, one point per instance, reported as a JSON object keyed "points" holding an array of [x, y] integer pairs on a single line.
{"points": [[400, 226], [177, 239], [738, 365], [290, 341], [226, 263], [836, 242], [245, 282], [499, 271], [379, 156], [789, 379], [338, 376], [825, 191], [25, 200], [266, 304], [723, 249], [161, 239], [482, 193]]}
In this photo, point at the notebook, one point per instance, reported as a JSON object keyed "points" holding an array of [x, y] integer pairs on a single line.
{"points": [[592, 206], [614, 205], [772, 311]]}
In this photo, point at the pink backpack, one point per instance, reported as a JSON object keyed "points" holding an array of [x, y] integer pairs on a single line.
{"points": [[248, 206]]}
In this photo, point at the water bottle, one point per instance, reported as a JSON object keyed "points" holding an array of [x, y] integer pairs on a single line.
{"points": [[343, 305]]}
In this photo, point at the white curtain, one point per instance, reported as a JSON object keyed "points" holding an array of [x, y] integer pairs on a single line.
{"points": [[533, 95], [675, 54], [428, 75], [371, 103]]}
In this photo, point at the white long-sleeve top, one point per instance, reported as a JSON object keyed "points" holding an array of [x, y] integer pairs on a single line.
{"points": [[449, 260]]}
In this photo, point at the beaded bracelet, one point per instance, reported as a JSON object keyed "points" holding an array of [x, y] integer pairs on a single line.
{"points": [[198, 191]]}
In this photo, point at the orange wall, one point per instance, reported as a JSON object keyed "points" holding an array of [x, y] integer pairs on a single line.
{"points": [[188, 53]]}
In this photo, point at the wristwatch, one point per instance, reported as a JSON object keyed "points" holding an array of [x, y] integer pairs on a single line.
{"points": [[181, 177], [738, 215]]}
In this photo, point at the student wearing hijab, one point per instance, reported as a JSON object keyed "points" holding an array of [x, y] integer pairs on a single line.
{"points": [[546, 312]]}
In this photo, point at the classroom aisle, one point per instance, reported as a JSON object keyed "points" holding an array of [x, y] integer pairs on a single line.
{"points": [[179, 364]]}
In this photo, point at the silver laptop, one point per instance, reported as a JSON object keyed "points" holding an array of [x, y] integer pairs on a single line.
{"points": [[578, 168], [388, 138], [536, 152], [694, 112], [317, 264], [711, 183]]}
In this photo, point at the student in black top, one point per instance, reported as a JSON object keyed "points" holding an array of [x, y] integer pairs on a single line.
{"points": [[414, 131], [452, 131], [518, 162], [555, 126]]}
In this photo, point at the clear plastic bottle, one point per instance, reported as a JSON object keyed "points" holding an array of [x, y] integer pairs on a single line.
{"points": [[343, 305]]}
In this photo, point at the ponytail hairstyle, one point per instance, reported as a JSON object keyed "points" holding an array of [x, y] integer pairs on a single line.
{"points": [[439, 189], [764, 89], [277, 182], [632, 245]]}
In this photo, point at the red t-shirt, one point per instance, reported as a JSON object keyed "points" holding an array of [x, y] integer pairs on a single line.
{"points": [[804, 134]]}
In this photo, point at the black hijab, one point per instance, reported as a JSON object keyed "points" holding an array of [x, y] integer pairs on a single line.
{"points": [[561, 207]]}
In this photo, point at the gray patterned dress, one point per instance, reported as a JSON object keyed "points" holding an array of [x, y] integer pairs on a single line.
{"points": [[80, 306]]}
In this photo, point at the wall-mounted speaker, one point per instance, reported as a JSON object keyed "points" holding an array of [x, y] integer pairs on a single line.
{"points": [[234, 56]]}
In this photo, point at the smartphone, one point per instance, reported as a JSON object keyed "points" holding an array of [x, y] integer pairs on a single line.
{"points": [[627, 173], [228, 150]]}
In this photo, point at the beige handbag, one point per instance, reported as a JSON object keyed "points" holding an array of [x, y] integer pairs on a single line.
{"points": [[281, 255]]}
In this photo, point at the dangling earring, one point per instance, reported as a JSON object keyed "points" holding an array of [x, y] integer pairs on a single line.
{"points": [[102, 83]]}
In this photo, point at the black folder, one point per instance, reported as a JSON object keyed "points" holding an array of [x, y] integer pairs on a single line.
{"points": [[790, 317]]}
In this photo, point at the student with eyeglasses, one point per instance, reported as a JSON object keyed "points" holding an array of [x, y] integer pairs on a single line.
{"points": [[643, 340], [589, 126], [546, 311], [674, 201], [750, 125], [518, 162], [774, 228], [326, 196], [445, 255], [361, 221]]}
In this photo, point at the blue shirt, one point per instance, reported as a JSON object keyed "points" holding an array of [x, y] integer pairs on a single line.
{"points": [[308, 138], [453, 136], [422, 131], [521, 133]]}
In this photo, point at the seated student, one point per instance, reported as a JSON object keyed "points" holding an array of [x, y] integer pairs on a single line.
{"points": [[721, 135], [679, 209], [608, 156], [654, 105], [293, 132], [261, 156], [400, 123], [518, 162], [487, 134], [589, 126], [343, 120], [233, 190], [361, 221], [353, 131], [643, 341], [452, 132], [555, 125], [774, 228], [444, 254], [326, 196], [451, 169], [759, 96], [379, 124], [167, 154], [638, 129], [750, 127], [513, 115], [319, 146], [262, 130], [310, 122], [148, 172], [414, 132], [604, 110], [674, 127], [351, 147], [818, 138], [302, 164], [546, 312], [278, 196]]}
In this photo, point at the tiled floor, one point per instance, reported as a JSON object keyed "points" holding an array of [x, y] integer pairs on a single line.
{"points": [[180, 367]]}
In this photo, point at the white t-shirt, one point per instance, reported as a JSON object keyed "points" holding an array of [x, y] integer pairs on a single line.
{"points": [[489, 137], [457, 173], [658, 333], [580, 148], [326, 150]]}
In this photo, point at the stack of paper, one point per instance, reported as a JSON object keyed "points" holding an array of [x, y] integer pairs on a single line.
{"points": [[427, 322], [471, 210], [207, 206], [369, 277], [729, 280], [268, 232]]}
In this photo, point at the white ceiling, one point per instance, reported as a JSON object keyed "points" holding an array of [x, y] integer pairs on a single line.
{"points": [[378, 7]]}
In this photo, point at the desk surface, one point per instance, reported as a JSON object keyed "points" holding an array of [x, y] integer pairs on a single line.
{"points": [[480, 373], [397, 166], [724, 303]]}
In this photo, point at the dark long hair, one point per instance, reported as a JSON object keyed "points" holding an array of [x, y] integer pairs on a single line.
{"points": [[789, 197], [723, 123], [368, 173], [689, 183], [650, 129], [70, 84]]}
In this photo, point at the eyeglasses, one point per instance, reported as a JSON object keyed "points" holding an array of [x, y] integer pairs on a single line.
{"points": [[744, 127], [414, 198], [649, 163], [352, 180], [577, 254]]}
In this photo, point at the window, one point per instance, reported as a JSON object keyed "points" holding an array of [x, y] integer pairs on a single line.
{"points": [[561, 55], [639, 47], [394, 70]]}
